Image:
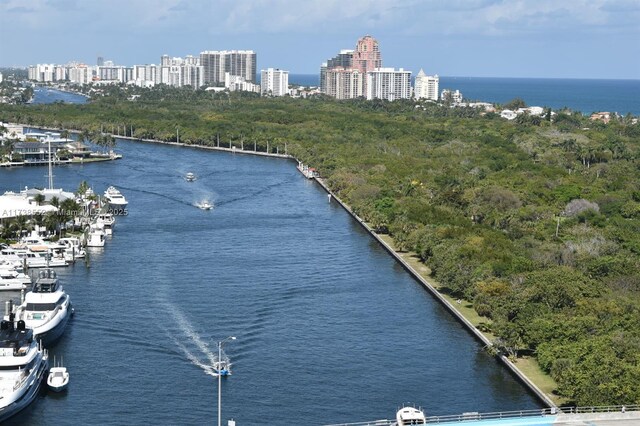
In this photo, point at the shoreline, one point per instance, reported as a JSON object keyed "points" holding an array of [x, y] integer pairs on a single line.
{"points": [[423, 281]]}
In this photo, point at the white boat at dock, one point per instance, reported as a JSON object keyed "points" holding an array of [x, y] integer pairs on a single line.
{"points": [[46, 309], [308, 172], [108, 222], [95, 235], [23, 365], [115, 199], [10, 279], [58, 378]]}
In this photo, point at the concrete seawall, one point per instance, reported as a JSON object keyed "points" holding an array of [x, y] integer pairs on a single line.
{"points": [[450, 307]]}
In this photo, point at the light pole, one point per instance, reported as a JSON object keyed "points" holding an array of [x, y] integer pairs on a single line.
{"points": [[220, 377]]}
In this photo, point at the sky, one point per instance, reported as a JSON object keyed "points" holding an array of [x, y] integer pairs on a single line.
{"points": [[479, 38]]}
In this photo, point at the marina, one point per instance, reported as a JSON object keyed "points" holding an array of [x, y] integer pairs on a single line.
{"points": [[192, 279]]}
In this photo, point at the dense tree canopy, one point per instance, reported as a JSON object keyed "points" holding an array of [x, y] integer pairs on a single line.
{"points": [[536, 222]]}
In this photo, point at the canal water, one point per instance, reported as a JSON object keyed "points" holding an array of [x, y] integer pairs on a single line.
{"points": [[329, 327]]}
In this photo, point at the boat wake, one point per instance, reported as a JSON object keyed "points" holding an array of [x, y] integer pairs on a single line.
{"points": [[193, 347]]}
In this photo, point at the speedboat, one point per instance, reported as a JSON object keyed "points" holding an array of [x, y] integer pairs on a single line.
{"points": [[46, 308], [58, 378], [204, 205], [23, 365], [115, 199], [190, 177], [96, 235]]}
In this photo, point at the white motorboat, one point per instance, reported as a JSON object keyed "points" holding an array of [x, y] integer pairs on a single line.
{"points": [[190, 177], [58, 378], [46, 308], [23, 365], [410, 416], [10, 279], [37, 257], [72, 248], [96, 235], [115, 199], [204, 205], [108, 221]]}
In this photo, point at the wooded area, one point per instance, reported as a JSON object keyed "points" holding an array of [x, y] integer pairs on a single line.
{"points": [[536, 222]]}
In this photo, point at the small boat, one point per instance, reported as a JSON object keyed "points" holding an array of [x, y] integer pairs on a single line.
{"points": [[204, 205], [410, 416], [108, 221], [58, 378], [190, 177]]}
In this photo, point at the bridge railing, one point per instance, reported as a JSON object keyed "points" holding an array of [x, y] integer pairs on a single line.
{"points": [[470, 416]]}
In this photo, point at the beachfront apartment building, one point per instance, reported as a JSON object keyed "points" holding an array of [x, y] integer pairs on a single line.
{"points": [[344, 83], [426, 86], [274, 82], [240, 63], [389, 84]]}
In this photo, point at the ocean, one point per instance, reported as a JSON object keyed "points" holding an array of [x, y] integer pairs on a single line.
{"points": [[584, 95]]}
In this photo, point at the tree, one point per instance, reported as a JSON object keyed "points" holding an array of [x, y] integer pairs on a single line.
{"points": [[514, 104], [39, 199]]}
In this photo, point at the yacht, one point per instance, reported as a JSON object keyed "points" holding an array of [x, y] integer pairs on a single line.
{"points": [[108, 221], [23, 366], [96, 236], [46, 308], [115, 199], [190, 177], [10, 279]]}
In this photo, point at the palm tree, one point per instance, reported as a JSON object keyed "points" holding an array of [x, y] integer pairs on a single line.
{"points": [[55, 202], [64, 134], [39, 199]]}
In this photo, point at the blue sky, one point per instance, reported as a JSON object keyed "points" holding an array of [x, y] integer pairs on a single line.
{"points": [[485, 38]]}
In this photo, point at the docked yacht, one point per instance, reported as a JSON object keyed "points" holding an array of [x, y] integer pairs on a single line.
{"points": [[190, 177], [108, 221], [10, 279], [46, 308], [96, 235], [115, 199], [23, 366], [410, 416]]}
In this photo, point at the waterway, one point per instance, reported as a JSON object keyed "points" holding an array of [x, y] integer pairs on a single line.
{"points": [[329, 327], [46, 95]]}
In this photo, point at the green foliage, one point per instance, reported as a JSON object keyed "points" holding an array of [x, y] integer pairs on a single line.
{"points": [[483, 202]]}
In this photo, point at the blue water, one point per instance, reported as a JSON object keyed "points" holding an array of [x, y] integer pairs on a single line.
{"points": [[43, 95], [329, 327], [586, 96]]}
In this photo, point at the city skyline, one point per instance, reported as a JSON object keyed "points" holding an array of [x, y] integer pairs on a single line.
{"points": [[483, 38]]}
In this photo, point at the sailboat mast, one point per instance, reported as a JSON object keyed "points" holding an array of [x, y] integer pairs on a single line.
{"points": [[50, 168]]}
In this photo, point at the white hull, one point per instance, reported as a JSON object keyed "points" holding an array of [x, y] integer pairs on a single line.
{"points": [[58, 379]]}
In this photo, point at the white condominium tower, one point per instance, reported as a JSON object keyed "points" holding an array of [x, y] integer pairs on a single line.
{"points": [[389, 84], [274, 82], [426, 86], [240, 63]]}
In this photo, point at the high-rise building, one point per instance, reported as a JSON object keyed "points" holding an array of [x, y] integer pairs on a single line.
{"points": [[337, 77], [426, 86], [389, 84], [274, 82], [100, 61], [240, 63]]}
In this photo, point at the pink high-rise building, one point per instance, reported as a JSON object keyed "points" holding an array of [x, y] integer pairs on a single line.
{"points": [[343, 76], [367, 55]]}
